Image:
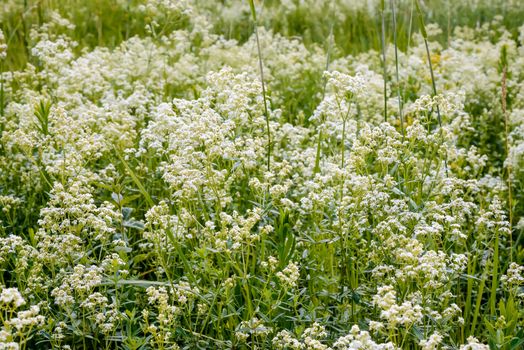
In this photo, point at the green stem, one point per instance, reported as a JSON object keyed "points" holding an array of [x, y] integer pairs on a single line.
{"points": [[316, 169], [494, 279], [396, 68], [266, 113], [504, 91], [343, 146], [477, 305], [384, 73], [469, 292]]}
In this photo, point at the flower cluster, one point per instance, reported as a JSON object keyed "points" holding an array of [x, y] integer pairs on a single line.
{"points": [[171, 178]]}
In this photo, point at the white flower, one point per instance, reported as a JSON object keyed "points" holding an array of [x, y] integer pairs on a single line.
{"points": [[514, 277], [344, 85], [473, 344], [11, 298], [432, 342], [289, 275]]}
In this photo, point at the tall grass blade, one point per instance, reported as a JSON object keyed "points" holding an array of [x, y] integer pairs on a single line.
{"points": [[384, 67], [393, 11], [494, 277], [266, 113], [316, 169], [504, 93]]}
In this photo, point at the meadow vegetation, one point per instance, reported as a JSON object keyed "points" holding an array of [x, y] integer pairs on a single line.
{"points": [[294, 174]]}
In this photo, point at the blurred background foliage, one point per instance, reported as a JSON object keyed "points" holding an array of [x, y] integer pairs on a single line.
{"points": [[355, 24]]}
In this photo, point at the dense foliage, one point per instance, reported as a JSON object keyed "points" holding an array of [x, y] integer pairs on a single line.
{"points": [[290, 174]]}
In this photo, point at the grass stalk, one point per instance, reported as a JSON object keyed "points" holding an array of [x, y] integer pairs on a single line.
{"points": [[410, 30], [266, 113], [477, 304], [393, 11], [469, 294], [384, 66], [504, 92], [316, 169], [449, 23], [494, 279]]}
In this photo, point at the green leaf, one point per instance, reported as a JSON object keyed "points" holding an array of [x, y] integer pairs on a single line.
{"points": [[126, 212], [136, 180], [421, 20], [41, 113], [128, 199], [137, 225], [417, 332], [516, 343], [140, 257], [253, 10]]}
